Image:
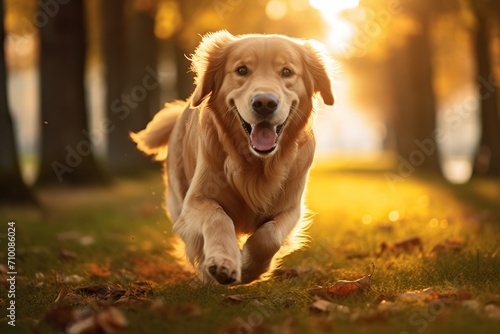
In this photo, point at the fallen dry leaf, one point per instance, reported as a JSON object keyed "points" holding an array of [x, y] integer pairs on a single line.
{"points": [[126, 274], [448, 247], [455, 296], [60, 317], [324, 306], [398, 248], [96, 270], [132, 302], [492, 311], [83, 239], [384, 297], [136, 294], [111, 319], [87, 240], [158, 268], [320, 306], [345, 288], [430, 294], [424, 295], [83, 326], [73, 279], [141, 287], [65, 254], [233, 299], [67, 296], [472, 305], [106, 320], [59, 278], [104, 292]]}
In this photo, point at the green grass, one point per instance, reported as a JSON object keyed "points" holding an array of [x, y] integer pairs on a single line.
{"points": [[356, 210]]}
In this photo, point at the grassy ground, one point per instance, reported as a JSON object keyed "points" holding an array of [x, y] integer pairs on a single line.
{"points": [[97, 247]]}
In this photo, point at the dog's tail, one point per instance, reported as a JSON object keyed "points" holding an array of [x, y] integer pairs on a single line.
{"points": [[153, 140]]}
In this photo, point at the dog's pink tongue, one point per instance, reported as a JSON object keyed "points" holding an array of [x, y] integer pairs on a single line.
{"points": [[263, 136]]}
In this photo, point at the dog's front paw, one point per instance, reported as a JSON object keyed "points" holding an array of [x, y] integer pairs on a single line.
{"points": [[224, 270]]}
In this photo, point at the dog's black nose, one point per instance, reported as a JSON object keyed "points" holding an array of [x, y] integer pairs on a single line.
{"points": [[264, 104]]}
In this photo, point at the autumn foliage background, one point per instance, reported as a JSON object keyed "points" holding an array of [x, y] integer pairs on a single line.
{"points": [[406, 176]]}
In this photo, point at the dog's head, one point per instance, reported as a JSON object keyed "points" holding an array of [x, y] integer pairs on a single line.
{"points": [[265, 82]]}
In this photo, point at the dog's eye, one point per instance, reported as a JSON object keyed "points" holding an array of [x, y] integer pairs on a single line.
{"points": [[242, 71], [286, 72]]}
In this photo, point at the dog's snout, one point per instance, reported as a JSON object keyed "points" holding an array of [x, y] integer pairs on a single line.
{"points": [[264, 104]]}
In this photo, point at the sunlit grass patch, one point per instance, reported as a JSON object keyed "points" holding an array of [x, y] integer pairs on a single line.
{"points": [[420, 234]]}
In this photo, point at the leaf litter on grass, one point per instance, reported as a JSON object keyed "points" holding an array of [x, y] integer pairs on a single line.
{"points": [[88, 319], [328, 300], [410, 273], [94, 308], [344, 288]]}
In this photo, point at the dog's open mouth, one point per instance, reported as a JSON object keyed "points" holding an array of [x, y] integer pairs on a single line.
{"points": [[263, 136]]}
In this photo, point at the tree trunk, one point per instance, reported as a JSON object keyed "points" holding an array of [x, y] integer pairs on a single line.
{"points": [[12, 187], [415, 120], [132, 81], [488, 155], [66, 148]]}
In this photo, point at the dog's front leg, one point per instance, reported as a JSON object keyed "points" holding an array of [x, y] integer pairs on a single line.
{"points": [[210, 239], [265, 242]]}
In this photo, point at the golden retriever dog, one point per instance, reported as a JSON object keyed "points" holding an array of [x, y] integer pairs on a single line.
{"points": [[239, 152]]}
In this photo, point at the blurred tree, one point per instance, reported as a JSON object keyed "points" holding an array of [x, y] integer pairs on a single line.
{"points": [[412, 77], [12, 186], [488, 156], [130, 56], [66, 143]]}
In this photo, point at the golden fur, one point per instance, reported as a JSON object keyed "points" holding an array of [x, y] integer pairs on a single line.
{"points": [[221, 188]]}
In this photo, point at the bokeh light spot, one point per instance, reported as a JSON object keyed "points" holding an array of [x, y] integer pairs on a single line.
{"points": [[367, 219], [393, 215], [276, 9]]}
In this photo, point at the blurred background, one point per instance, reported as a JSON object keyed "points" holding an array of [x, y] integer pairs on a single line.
{"points": [[416, 82]]}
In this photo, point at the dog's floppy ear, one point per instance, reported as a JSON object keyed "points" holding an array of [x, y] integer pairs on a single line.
{"points": [[317, 63], [208, 64]]}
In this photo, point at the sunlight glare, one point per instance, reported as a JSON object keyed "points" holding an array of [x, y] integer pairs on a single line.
{"points": [[341, 31], [331, 8], [340, 35], [457, 170]]}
